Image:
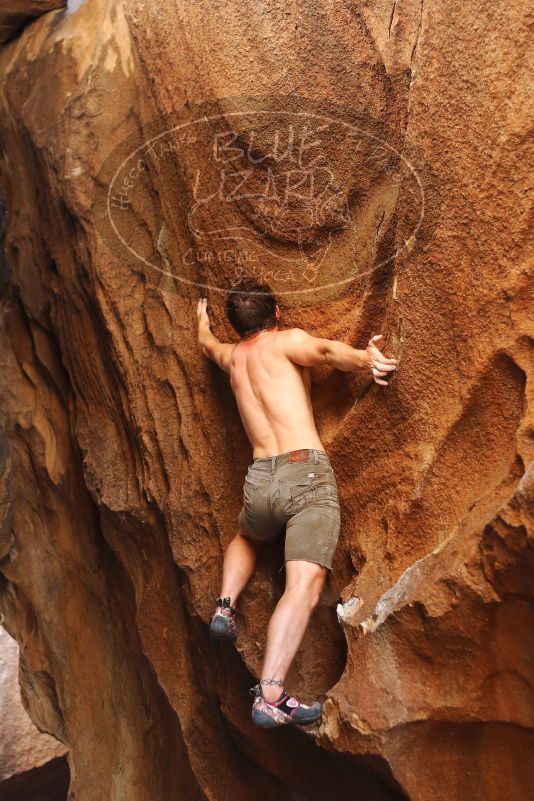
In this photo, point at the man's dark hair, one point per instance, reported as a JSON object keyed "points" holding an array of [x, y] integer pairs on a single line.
{"points": [[251, 306]]}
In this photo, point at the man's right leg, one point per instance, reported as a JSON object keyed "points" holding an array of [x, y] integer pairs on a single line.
{"points": [[304, 582]]}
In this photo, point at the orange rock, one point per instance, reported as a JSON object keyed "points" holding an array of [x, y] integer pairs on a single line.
{"points": [[370, 162]]}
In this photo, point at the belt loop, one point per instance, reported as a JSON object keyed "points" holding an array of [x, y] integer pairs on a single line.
{"points": [[273, 459], [315, 457]]}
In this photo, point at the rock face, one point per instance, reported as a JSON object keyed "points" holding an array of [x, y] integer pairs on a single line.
{"points": [[14, 14], [370, 162], [32, 765]]}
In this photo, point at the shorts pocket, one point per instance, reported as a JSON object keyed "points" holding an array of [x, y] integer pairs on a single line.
{"points": [[299, 495], [249, 491], [323, 491], [324, 487], [307, 485]]}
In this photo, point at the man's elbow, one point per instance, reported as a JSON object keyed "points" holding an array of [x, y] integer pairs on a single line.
{"points": [[328, 351], [206, 351]]}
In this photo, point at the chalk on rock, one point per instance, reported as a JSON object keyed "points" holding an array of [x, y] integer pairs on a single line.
{"points": [[346, 611]]}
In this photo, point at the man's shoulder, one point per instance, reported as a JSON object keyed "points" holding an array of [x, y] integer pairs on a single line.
{"points": [[294, 338], [294, 333], [290, 341]]}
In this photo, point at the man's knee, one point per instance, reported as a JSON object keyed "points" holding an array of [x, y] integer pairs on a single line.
{"points": [[315, 595], [303, 595], [318, 585], [307, 587]]}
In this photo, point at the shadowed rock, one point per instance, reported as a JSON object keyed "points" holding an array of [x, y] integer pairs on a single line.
{"points": [[14, 14]]}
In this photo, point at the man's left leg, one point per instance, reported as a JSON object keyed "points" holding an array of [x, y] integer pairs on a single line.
{"points": [[238, 566]]}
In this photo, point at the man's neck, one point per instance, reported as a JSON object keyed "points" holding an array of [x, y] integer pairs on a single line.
{"points": [[257, 333]]}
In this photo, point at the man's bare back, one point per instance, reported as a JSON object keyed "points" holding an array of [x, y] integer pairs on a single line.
{"points": [[273, 395]]}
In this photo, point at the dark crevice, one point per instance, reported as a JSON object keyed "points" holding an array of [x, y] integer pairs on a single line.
{"points": [[293, 756], [48, 782]]}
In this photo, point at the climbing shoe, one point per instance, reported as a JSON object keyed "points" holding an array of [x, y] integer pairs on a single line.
{"points": [[223, 624], [285, 709]]}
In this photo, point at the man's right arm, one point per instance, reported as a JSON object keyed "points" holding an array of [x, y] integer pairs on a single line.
{"points": [[309, 351]]}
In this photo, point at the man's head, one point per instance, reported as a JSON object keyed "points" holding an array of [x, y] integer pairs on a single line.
{"points": [[251, 306]]}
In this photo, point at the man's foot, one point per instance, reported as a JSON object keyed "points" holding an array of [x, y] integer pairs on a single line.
{"points": [[285, 709], [223, 625]]}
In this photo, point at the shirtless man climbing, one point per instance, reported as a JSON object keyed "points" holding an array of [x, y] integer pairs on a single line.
{"points": [[290, 486]]}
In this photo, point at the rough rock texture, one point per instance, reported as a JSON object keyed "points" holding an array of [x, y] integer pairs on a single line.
{"points": [[14, 14], [30, 762], [122, 455]]}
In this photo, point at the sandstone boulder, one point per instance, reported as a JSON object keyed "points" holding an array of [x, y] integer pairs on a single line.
{"points": [[370, 161]]}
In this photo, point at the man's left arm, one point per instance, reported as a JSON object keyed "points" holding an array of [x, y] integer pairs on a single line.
{"points": [[219, 352]]}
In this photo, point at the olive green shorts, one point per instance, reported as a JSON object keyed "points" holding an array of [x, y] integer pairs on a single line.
{"points": [[296, 493]]}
